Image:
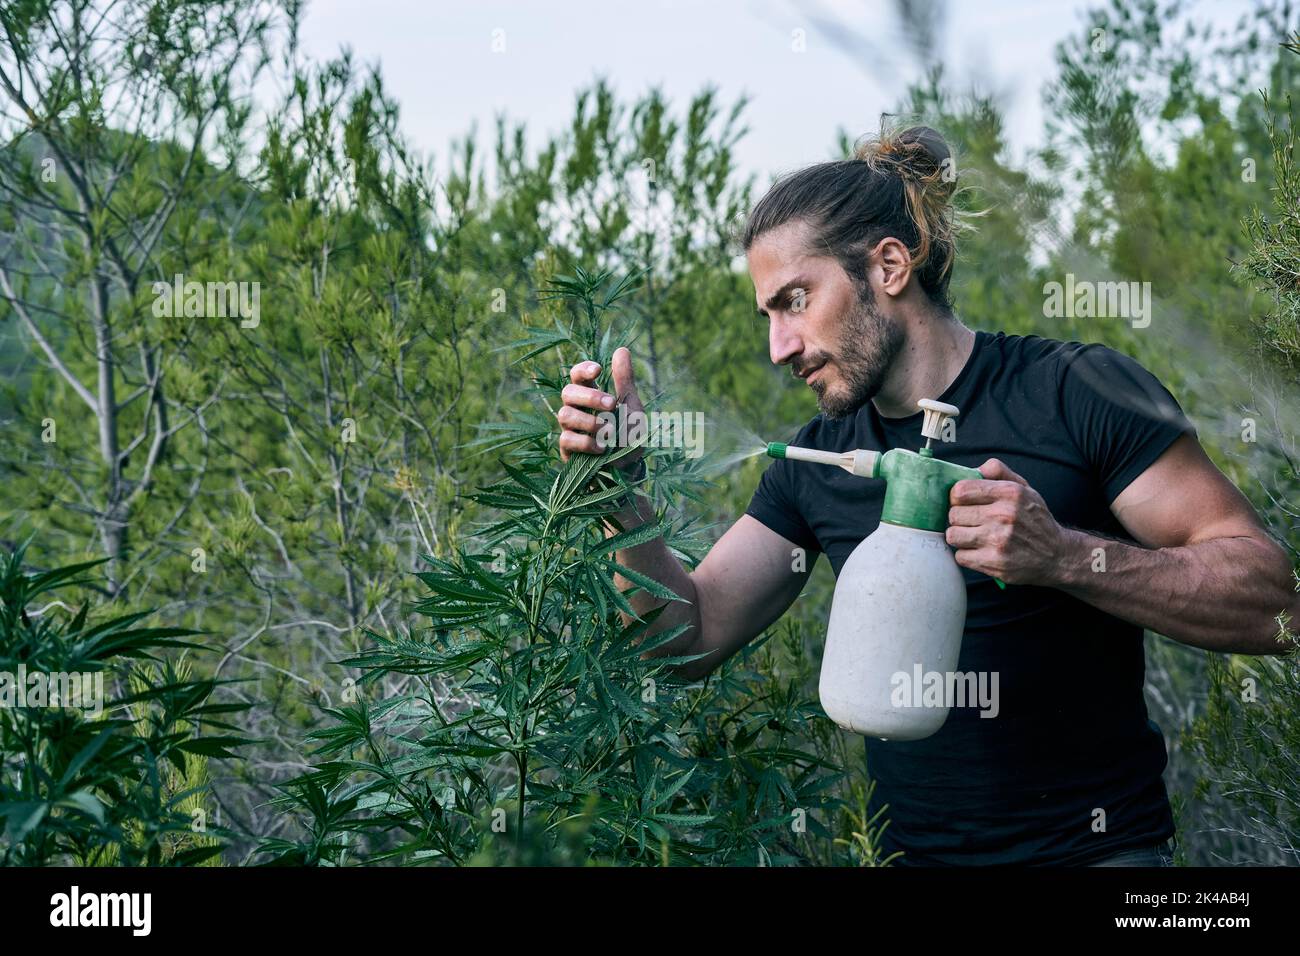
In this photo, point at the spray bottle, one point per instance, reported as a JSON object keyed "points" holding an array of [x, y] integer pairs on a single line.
{"points": [[900, 600]]}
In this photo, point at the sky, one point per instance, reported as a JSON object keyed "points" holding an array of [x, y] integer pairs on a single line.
{"points": [[809, 68]]}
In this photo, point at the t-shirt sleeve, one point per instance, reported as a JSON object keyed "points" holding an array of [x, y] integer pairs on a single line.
{"points": [[1119, 415], [774, 505]]}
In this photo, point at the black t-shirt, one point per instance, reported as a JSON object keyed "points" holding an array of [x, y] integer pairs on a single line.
{"points": [[1072, 740]]}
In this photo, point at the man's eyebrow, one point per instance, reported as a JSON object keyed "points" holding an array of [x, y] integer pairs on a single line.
{"points": [[780, 294]]}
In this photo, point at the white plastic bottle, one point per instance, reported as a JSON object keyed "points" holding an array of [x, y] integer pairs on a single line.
{"points": [[900, 600]]}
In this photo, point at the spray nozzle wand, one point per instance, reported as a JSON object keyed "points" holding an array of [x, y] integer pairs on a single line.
{"points": [[863, 462]]}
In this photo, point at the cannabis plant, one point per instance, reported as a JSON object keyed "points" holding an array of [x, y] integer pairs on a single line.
{"points": [[519, 719], [91, 778]]}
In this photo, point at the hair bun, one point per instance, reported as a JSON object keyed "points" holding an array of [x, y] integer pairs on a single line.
{"points": [[900, 184], [919, 160], [916, 152], [930, 139]]}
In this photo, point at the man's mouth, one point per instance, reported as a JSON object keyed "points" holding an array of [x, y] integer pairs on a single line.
{"points": [[810, 375]]}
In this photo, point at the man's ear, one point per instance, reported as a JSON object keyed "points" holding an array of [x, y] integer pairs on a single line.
{"points": [[895, 262]]}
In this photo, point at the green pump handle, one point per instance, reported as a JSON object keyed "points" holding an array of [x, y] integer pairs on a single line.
{"points": [[917, 486]]}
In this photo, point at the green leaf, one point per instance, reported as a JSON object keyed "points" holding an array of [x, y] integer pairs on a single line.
{"points": [[22, 818], [630, 539], [672, 790], [86, 802], [85, 754], [213, 746], [647, 584], [684, 819]]}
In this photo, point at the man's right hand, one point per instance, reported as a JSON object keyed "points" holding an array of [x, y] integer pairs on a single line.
{"points": [[745, 582], [578, 419]]}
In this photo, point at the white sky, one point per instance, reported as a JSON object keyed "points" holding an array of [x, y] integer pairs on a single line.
{"points": [[438, 62]]}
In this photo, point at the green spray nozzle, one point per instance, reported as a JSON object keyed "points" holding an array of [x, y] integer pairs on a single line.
{"points": [[917, 484], [916, 494]]}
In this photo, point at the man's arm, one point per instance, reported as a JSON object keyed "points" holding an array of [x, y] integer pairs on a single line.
{"points": [[1206, 572], [744, 583]]}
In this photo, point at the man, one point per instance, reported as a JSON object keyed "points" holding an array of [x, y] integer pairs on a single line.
{"points": [[1098, 508]]}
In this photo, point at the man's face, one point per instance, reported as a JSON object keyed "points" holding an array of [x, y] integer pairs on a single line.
{"points": [[831, 336]]}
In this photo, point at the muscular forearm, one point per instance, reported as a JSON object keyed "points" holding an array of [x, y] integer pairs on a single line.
{"points": [[1223, 594], [654, 560]]}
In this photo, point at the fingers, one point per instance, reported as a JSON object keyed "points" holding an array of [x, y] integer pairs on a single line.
{"points": [[576, 420], [578, 427], [581, 396], [977, 560], [578, 430], [571, 442], [624, 379], [973, 516], [997, 470], [963, 536], [584, 373], [972, 491], [999, 483]]}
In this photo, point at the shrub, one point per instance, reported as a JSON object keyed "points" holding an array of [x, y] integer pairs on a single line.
{"points": [[113, 787], [521, 723]]}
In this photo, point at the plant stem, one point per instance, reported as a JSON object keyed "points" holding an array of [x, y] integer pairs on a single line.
{"points": [[521, 759]]}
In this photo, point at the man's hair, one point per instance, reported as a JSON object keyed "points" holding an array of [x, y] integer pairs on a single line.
{"points": [[900, 183]]}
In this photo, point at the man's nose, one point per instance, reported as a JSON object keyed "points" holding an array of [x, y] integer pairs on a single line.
{"points": [[783, 342]]}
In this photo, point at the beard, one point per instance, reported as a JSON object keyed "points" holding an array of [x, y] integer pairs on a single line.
{"points": [[869, 342]]}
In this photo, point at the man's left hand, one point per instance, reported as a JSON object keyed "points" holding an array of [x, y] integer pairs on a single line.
{"points": [[1001, 527]]}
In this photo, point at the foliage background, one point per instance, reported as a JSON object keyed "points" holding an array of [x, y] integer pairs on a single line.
{"points": [[211, 464]]}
